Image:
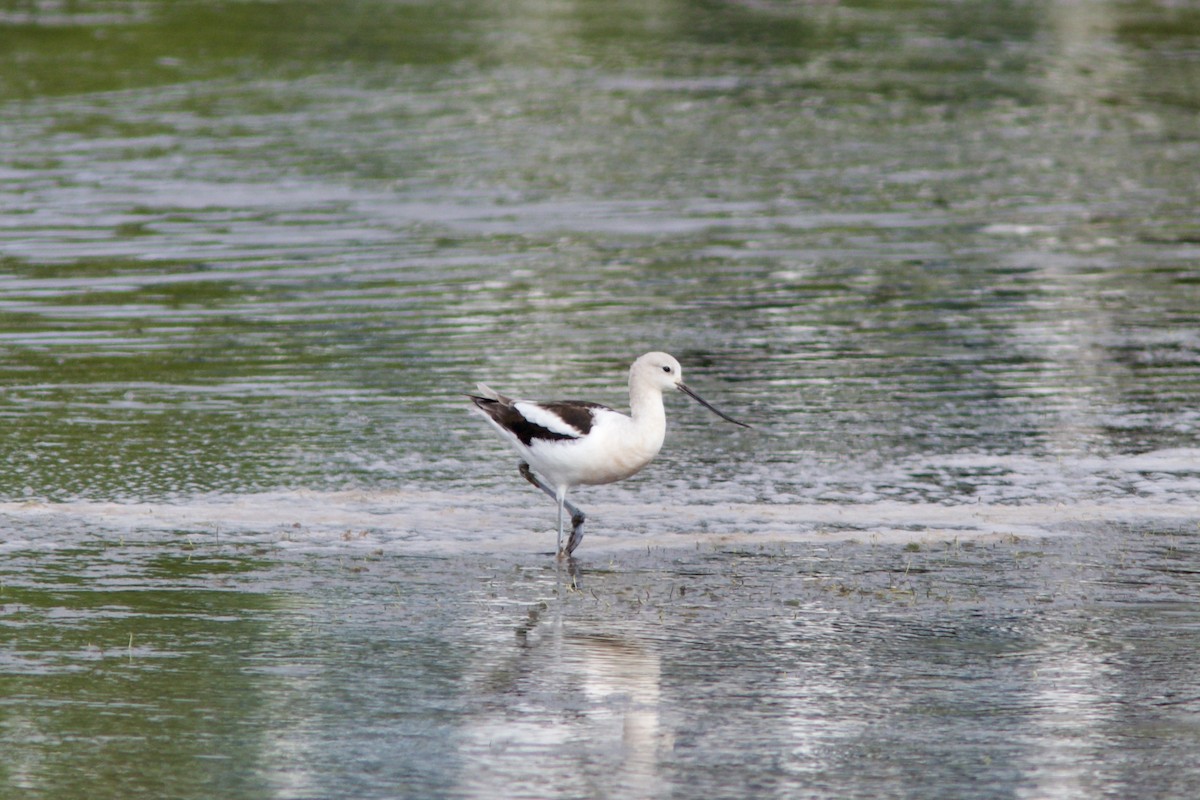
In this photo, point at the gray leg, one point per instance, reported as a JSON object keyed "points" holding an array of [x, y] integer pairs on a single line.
{"points": [[576, 532], [561, 500], [577, 516]]}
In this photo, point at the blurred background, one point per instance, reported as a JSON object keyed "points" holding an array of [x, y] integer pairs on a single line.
{"points": [[252, 245], [945, 256]]}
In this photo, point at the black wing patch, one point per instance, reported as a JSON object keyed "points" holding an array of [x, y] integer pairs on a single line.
{"points": [[579, 415]]}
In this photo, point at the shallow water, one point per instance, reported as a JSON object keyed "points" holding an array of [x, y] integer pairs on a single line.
{"points": [[944, 257]]}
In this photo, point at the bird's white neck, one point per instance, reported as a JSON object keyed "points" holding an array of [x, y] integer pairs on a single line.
{"points": [[646, 406]]}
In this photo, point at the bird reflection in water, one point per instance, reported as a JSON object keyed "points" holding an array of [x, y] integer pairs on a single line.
{"points": [[583, 706]]}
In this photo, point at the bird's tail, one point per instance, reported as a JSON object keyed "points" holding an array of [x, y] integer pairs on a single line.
{"points": [[488, 393], [487, 396]]}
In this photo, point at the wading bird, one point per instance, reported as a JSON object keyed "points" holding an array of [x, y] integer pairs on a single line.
{"points": [[571, 443]]}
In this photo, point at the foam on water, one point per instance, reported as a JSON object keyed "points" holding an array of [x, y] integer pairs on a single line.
{"points": [[1160, 488]]}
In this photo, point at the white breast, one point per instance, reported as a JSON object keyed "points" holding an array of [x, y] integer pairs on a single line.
{"points": [[614, 449]]}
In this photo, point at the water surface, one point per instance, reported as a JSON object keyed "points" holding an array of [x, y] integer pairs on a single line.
{"points": [[944, 257]]}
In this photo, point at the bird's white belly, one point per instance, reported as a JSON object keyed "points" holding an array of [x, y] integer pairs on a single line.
{"points": [[607, 454]]}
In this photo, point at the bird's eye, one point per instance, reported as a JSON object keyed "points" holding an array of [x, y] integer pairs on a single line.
{"points": [[667, 368]]}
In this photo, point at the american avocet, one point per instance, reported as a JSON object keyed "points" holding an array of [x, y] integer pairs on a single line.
{"points": [[574, 443]]}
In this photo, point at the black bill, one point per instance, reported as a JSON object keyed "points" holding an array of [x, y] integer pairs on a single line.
{"points": [[709, 406]]}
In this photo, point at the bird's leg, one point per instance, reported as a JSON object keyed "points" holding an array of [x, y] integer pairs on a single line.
{"points": [[577, 516], [562, 498], [577, 519], [576, 532], [528, 475]]}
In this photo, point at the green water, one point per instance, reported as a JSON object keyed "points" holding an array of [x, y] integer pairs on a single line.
{"points": [[943, 256]]}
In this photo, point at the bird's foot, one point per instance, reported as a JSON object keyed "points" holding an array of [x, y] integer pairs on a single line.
{"points": [[576, 537]]}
